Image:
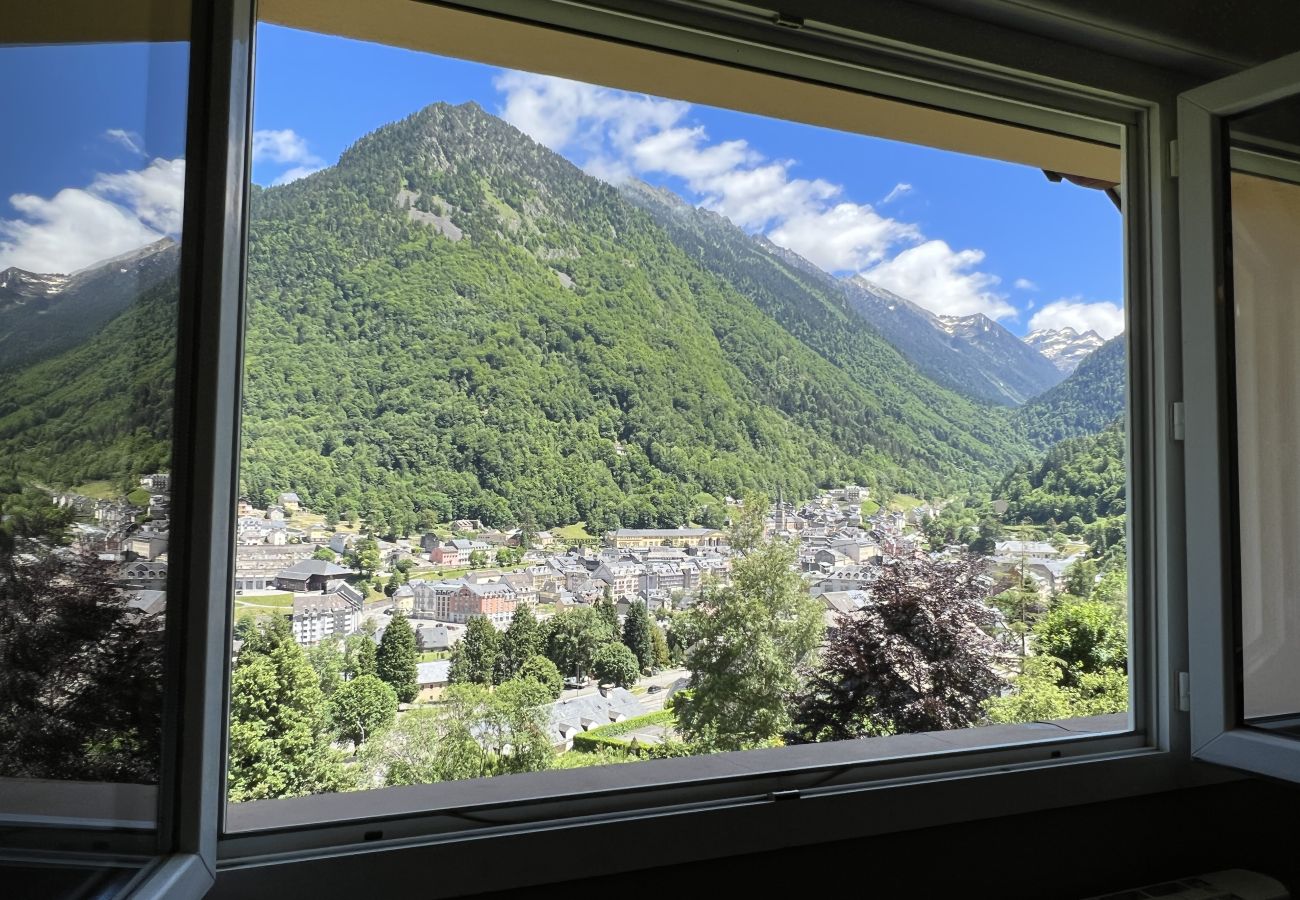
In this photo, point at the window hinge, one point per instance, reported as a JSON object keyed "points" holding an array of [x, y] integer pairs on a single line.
{"points": [[784, 795], [1173, 159], [1180, 421], [1184, 692], [785, 20]]}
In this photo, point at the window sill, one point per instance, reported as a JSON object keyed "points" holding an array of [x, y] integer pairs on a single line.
{"points": [[515, 800], [761, 809], [78, 804]]}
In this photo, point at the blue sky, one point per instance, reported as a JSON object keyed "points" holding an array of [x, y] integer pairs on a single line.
{"points": [[956, 233]]}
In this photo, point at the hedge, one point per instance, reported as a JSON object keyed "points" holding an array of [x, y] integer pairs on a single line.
{"points": [[608, 737]]}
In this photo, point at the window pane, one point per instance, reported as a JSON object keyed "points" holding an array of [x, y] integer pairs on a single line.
{"points": [[1265, 227], [584, 426], [90, 221]]}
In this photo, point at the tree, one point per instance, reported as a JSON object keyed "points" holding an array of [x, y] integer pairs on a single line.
{"points": [[477, 559], [327, 661], [81, 669], [474, 659], [324, 554], [573, 637], [746, 642], [279, 740], [1039, 694], [917, 658], [362, 707], [395, 662], [607, 610], [1087, 636], [1080, 578], [522, 640], [985, 540], [638, 636], [1021, 607], [475, 732], [364, 557], [659, 644], [616, 664], [359, 656], [543, 671]]}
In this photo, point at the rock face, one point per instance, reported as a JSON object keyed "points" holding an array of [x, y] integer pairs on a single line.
{"points": [[1065, 347]]}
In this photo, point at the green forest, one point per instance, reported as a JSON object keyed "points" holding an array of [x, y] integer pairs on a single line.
{"points": [[455, 322]]}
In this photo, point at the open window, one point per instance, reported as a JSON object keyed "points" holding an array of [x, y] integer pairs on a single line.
{"points": [[1239, 153], [472, 390]]}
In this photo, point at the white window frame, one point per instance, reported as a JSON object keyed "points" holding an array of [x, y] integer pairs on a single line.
{"points": [[1217, 731]]}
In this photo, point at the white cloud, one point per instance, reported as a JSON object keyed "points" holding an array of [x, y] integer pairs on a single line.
{"points": [[280, 146], [942, 280], [128, 139], [559, 113], [295, 173], [1103, 317], [844, 237], [616, 135], [76, 227], [899, 190], [154, 193], [1024, 284], [285, 146]]}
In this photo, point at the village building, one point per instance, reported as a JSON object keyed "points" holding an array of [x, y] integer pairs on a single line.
{"points": [[256, 566], [309, 575], [146, 544], [629, 538], [145, 574], [320, 616]]}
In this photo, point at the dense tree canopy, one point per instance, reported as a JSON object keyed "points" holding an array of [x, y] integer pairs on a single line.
{"points": [[746, 643], [280, 728], [916, 658]]}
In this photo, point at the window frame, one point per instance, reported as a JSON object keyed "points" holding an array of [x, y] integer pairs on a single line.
{"points": [[1218, 734], [1003, 781]]}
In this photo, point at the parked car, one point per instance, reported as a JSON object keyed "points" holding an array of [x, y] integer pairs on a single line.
{"points": [[654, 689]]}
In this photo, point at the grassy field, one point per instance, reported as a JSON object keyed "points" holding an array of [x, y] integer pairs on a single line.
{"points": [[266, 601], [904, 502], [433, 655], [870, 508], [575, 532], [98, 490]]}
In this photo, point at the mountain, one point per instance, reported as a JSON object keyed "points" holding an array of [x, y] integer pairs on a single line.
{"points": [[1006, 375], [1064, 347], [1019, 371], [42, 315], [1082, 476], [1090, 400], [454, 321], [102, 409], [959, 356]]}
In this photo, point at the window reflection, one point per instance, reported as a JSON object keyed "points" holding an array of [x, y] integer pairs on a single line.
{"points": [[91, 193]]}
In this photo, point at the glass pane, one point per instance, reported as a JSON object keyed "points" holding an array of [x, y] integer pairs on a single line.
{"points": [[618, 427], [1265, 203], [90, 216]]}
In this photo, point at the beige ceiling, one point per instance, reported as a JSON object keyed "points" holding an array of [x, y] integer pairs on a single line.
{"points": [[417, 26]]}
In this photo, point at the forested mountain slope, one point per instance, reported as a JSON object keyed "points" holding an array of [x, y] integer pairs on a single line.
{"points": [[100, 410], [1088, 401], [521, 340], [456, 322], [41, 315]]}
